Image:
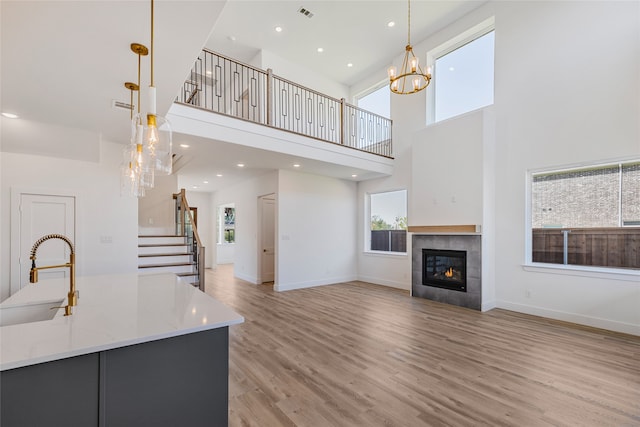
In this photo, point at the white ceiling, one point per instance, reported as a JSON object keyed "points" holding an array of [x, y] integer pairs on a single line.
{"points": [[353, 31], [64, 62]]}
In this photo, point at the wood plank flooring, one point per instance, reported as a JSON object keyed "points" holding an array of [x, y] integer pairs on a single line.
{"points": [[357, 354]]}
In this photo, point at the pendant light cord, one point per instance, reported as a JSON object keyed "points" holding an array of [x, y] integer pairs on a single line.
{"points": [[139, 61], [151, 42]]}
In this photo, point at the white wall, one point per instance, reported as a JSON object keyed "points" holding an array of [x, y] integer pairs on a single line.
{"points": [[100, 211], [156, 210], [299, 74], [226, 253], [316, 231], [245, 196], [206, 223], [567, 91], [447, 172]]}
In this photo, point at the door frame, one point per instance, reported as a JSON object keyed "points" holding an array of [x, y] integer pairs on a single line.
{"points": [[14, 248], [259, 238]]}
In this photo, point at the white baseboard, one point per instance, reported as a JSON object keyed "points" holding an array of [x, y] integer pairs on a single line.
{"points": [[383, 282], [250, 279], [490, 305], [310, 284], [612, 325]]}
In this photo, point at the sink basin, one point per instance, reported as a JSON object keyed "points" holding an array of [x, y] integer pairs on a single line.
{"points": [[32, 312]]}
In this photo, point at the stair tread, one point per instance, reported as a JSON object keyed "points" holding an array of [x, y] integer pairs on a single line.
{"points": [[171, 264], [158, 245], [165, 254], [160, 235], [186, 274]]}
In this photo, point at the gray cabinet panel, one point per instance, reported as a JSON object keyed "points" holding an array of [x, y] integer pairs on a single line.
{"points": [[180, 381], [59, 393]]}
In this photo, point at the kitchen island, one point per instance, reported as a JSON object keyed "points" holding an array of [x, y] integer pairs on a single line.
{"points": [[137, 350]]}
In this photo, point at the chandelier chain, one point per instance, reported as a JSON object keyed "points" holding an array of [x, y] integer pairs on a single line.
{"points": [[409, 23]]}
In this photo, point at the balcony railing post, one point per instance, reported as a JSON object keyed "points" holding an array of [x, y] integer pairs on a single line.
{"points": [[249, 93], [270, 101], [342, 120]]}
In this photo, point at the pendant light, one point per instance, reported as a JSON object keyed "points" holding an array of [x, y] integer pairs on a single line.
{"points": [[137, 172], [157, 136], [411, 78]]}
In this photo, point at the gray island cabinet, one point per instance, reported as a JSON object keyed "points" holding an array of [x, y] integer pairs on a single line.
{"points": [[162, 360]]}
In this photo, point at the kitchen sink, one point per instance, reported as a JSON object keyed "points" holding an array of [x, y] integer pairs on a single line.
{"points": [[32, 312]]}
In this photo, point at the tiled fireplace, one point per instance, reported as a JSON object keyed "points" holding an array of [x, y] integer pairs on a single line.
{"points": [[447, 268]]}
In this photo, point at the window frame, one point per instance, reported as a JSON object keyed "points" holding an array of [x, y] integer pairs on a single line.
{"points": [[369, 91], [367, 225], [605, 272], [221, 225], [466, 37]]}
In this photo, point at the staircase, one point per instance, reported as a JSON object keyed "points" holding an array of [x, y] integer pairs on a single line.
{"points": [[167, 253]]}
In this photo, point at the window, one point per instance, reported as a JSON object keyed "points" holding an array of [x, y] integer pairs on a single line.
{"points": [[388, 222], [227, 224], [377, 101], [587, 216], [462, 74]]}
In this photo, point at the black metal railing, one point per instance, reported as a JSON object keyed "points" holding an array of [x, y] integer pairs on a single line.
{"points": [[225, 86], [186, 226]]}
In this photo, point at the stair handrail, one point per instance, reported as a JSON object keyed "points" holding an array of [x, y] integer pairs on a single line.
{"points": [[183, 205]]}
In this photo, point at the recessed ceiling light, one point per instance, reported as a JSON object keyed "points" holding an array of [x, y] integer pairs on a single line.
{"points": [[240, 165], [296, 165], [349, 65], [184, 145], [320, 50], [391, 24], [354, 176], [451, 69], [205, 182], [231, 38], [219, 175], [10, 115], [278, 29], [195, 186]]}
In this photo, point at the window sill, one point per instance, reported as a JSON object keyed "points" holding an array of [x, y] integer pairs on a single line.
{"points": [[585, 271], [386, 254]]}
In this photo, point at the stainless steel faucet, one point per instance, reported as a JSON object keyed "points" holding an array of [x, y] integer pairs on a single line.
{"points": [[72, 296]]}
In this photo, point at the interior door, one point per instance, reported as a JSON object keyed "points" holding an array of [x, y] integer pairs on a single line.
{"points": [[268, 224], [40, 215]]}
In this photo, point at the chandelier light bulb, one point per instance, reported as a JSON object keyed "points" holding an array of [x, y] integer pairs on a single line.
{"points": [[414, 64], [392, 72]]}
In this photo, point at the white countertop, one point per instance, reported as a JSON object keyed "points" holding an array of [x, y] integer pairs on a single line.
{"points": [[113, 311]]}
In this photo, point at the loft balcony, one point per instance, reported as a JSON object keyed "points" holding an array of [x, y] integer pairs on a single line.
{"points": [[249, 101]]}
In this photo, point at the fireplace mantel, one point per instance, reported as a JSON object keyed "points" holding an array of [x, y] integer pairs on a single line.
{"points": [[446, 229]]}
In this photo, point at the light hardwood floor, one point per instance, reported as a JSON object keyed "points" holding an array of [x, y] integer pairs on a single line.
{"points": [[357, 354]]}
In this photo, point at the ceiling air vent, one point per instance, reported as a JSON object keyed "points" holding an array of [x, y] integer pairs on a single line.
{"points": [[120, 104], [305, 12]]}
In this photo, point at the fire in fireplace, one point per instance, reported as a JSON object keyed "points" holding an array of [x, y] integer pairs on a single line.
{"points": [[445, 269]]}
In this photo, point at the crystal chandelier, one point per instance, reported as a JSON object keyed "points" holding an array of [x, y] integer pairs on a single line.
{"points": [[411, 78]]}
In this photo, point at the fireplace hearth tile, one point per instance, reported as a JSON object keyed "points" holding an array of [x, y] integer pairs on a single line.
{"points": [[472, 298]]}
